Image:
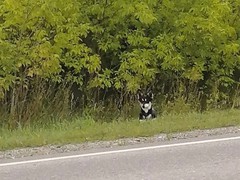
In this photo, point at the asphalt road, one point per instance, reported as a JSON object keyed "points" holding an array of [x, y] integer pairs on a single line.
{"points": [[214, 158]]}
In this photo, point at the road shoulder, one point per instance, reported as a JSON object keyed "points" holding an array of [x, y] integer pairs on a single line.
{"points": [[58, 149]]}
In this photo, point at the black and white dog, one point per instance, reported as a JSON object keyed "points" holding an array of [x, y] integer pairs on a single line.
{"points": [[145, 101]]}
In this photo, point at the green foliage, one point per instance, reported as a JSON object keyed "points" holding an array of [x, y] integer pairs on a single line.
{"points": [[38, 38], [119, 46]]}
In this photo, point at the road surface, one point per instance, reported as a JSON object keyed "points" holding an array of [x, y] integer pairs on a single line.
{"points": [[213, 158]]}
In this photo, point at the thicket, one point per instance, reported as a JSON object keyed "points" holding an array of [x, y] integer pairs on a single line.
{"points": [[60, 57]]}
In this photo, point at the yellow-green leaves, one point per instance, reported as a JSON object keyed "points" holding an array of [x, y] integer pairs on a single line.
{"points": [[117, 43], [40, 38]]}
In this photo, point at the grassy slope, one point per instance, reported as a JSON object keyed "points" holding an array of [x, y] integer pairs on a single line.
{"points": [[81, 130]]}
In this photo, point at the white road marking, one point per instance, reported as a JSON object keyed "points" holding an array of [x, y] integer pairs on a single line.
{"points": [[119, 151]]}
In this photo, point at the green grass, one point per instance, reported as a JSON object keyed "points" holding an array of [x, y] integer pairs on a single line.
{"points": [[81, 130]]}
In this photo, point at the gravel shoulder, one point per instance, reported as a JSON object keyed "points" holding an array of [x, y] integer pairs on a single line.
{"points": [[56, 149]]}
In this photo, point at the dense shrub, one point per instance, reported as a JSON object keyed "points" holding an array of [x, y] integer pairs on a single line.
{"points": [[102, 52]]}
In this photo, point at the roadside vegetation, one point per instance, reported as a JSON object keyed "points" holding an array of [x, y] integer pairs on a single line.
{"points": [[70, 69], [79, 130]]}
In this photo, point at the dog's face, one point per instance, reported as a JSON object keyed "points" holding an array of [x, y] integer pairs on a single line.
{"points": [[145, 100]]}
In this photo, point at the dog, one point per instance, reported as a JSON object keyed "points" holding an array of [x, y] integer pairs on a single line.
{"points": [[145, 101]]}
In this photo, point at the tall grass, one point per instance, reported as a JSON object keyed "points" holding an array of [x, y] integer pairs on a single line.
{"points": [[77, 130]]}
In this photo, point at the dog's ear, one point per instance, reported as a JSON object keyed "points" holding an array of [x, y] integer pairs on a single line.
{"points": [[150, 94]]}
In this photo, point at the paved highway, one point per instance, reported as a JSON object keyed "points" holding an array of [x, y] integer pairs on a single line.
{"points": [[213, 158]]}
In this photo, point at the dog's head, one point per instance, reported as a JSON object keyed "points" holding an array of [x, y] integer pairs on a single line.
{"points": [[145, 100]]}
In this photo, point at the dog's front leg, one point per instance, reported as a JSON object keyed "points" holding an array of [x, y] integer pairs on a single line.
{"points": [[141, 117]]}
